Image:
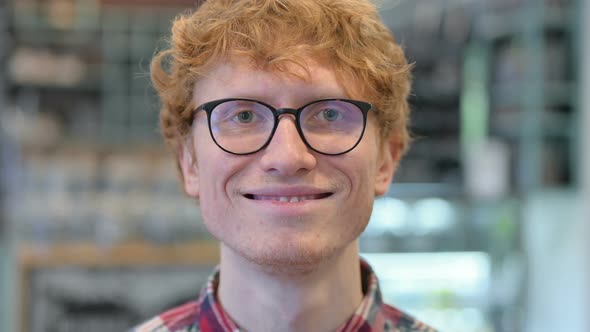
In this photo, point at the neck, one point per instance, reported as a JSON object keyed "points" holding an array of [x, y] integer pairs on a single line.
{"points": [[262, 299]]}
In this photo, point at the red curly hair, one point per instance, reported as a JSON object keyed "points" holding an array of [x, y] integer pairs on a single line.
{"points": [[346, 35]]}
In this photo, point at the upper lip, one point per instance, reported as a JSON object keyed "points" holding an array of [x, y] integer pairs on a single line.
{"points": [[286, 191]]}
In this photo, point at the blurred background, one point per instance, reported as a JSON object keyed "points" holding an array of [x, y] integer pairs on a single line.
{"points": [[485, 228]]}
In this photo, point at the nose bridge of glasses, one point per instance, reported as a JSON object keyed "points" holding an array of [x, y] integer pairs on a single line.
{"points": [[282, 111], [287, 111]]}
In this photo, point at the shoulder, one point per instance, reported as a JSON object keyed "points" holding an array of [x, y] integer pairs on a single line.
{"points": [[183, 318], [402, 321]]}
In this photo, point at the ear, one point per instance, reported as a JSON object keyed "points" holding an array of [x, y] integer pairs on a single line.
{"points": [[190, 171], [390, 154]]}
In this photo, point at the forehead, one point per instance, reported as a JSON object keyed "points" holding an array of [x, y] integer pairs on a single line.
{"points": [[291, 83]]}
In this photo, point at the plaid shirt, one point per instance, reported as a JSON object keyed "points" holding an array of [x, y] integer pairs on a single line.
{"points": [[207, 315]]}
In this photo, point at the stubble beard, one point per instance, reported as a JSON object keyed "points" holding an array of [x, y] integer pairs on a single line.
{"points": [[293, 257]]}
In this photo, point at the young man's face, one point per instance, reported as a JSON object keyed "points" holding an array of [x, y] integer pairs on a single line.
{"points": [[240, 196]]}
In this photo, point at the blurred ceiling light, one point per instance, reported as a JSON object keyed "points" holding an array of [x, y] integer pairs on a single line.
{"points": [[389, 215], [432, 215]]}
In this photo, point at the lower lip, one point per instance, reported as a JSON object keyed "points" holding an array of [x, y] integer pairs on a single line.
{"points": [[289, 208]]}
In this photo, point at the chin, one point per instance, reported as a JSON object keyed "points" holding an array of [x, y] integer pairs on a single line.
{"points": [[289, 257]]}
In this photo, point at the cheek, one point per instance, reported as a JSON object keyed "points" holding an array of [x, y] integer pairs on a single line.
{"points": [[360, 178], [216, 208], [219, 174], [214, 175], [362, 182], [361, 174], [361, 171]]}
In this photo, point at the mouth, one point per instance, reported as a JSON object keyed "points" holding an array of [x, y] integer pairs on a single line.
{"points": [[288, 199]]}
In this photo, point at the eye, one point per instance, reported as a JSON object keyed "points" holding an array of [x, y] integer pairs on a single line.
{"points": [[244, 116], [331, 114]]}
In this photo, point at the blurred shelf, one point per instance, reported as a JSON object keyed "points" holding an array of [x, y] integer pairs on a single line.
{"points": [[556, 93], [532, 90], [35, 36], [403, 190], [85, 88], [507, 124], [88, 259], [436, 93], [422, 53], [560, 18], [29, 22], [500, 25], [31, 256], [97, 57]]}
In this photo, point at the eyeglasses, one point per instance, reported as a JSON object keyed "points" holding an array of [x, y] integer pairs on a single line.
{"points": [[245, 126]]}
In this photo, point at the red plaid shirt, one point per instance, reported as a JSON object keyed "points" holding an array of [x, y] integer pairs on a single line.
{"points": [[207, 315]]}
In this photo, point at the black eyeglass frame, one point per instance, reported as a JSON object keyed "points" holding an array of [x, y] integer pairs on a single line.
{"points": [[208, 107]]}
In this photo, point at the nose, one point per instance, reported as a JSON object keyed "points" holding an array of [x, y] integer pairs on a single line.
{"points": [[287, 154]]}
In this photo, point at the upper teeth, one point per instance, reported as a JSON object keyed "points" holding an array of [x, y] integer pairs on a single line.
{"points": [[291, 199]]}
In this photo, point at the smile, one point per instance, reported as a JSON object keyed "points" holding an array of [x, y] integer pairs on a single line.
{"points": [[287, 199]]}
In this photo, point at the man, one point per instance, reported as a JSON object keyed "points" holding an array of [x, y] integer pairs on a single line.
{"points": [[287, 118]]}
